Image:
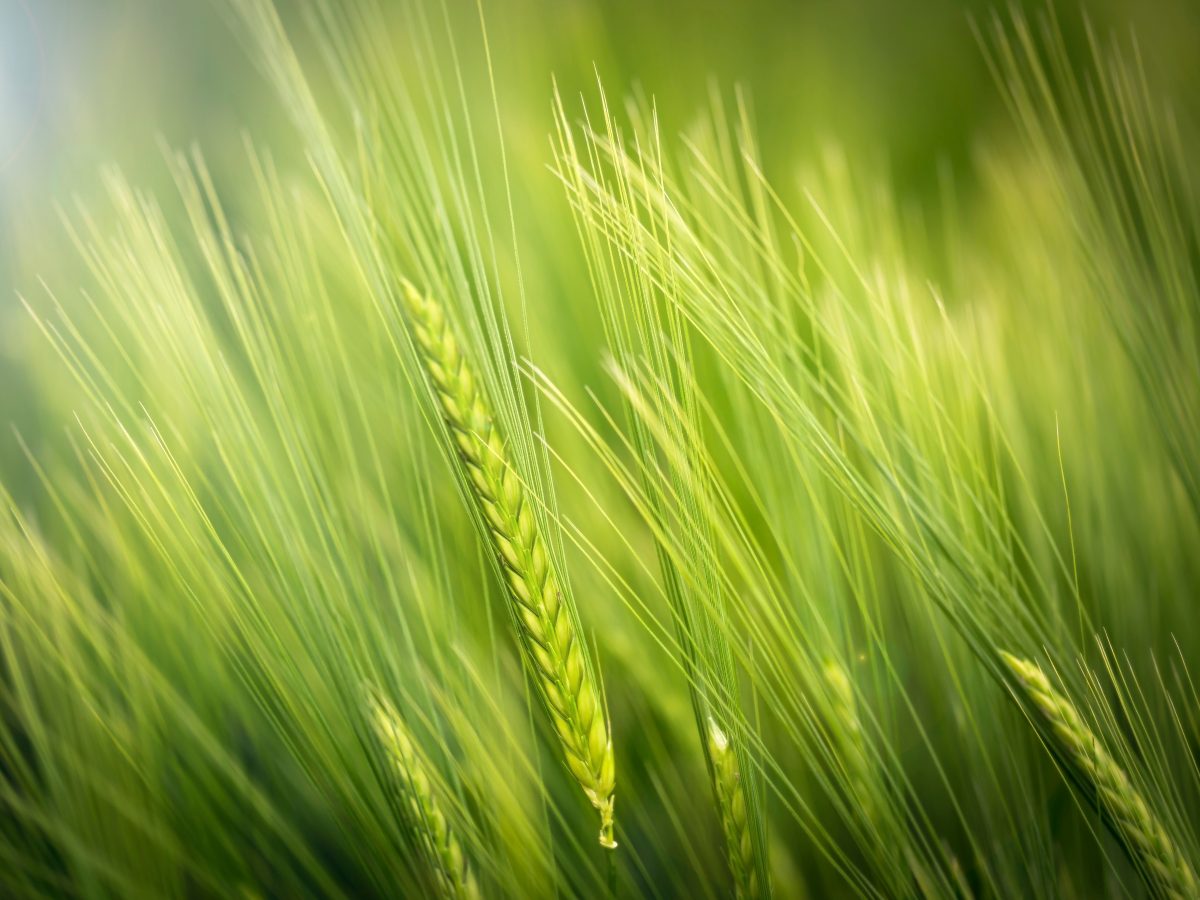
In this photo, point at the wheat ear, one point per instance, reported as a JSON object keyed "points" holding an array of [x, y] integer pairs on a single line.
{"points": [[442, 847], [850, 738], [735, 818], [1139, 829], [544, 625]]}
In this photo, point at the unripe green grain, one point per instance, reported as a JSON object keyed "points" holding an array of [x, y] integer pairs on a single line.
{"points": [[454, 878], [1143, 835], [544, 626], [735, 819]]}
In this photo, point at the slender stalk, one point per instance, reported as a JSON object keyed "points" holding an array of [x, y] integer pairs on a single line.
{"points": [[544, 625], [441, 846], [1143, 835]]}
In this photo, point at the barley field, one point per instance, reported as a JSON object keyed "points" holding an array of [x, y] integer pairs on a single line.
{"points": [[527, 449]]}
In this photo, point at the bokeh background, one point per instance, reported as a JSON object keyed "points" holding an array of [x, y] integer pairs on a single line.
{"points": [[86, 84], [902, 88]]}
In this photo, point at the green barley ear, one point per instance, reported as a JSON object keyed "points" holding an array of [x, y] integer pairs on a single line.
{"points": [[735, 821], [1127, 812], [849, 731], [544, 625], [441, 846]]}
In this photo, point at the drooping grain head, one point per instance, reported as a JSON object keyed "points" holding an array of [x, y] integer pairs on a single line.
{"points": [[544, 625], [735, 820], [851, 742], [1139, 829], [427, 818]]}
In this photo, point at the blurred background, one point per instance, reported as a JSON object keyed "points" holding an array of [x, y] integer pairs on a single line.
{"points": [[903, 89], [89, 83]]}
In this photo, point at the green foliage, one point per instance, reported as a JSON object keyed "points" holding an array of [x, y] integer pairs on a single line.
{"points": [[778, 490]]}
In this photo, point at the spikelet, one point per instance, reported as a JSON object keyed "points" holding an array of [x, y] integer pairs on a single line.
{"points": [[735, 819], [441, 846], [547, 634], [850, 738], [1139, 829]]}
